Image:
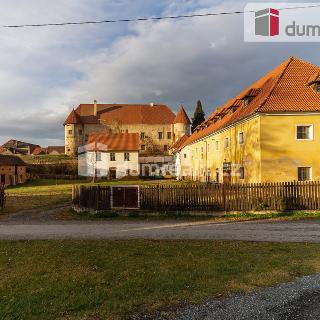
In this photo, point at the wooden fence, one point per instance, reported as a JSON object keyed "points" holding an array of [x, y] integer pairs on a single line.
{"points": [[224, 197], [95, 197], [2, 197]]}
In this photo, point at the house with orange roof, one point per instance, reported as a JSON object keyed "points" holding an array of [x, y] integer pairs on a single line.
{"points": [[112, 156], [157, 125], [270, 132]]}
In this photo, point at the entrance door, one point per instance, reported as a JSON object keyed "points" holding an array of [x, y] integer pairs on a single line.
{"points": [[227, 172], [112, 173], [3, 179]]}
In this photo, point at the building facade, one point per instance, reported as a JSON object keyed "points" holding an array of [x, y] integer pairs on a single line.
{"points": [[157, 126], [270, 132], [13, 170], [111, 156]]}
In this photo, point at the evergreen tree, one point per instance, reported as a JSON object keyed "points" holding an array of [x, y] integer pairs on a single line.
{"points": [[198, 116]]}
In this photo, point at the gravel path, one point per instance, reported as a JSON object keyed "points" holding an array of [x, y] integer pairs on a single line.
{"points": [[297, 300], [275, 231]]}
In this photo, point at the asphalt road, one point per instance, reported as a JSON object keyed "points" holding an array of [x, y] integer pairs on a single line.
{"points": [[277, 231]]}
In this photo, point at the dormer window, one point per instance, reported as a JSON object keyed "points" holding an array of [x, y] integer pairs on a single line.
{"points": [[317, 87]]}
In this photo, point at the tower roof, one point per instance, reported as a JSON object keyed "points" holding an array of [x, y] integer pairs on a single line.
{"points": [[182, 116], [73, 118]]}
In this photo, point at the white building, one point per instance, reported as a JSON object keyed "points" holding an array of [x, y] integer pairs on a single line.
{"points": [[182, 159], [112, 156]]}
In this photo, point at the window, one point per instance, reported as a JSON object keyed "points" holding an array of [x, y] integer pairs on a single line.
{"points": [[165, 147], [126, 156], [241, 138], [86, 138], [304, 173], [169, 135], [112, 156], [226, 142], [185, 155], [142, 135], [217, 145], [160, 135], [80, 132], [69, 131], [317, 87], [241, 172], [208, 147], [98, 156], [143, 147], [304, 132]]}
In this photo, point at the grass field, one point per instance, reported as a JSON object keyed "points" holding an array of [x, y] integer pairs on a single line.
{"points": [[113, 279]]}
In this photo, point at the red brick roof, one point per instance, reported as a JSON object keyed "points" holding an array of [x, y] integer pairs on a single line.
{"points": [[182, 116], [124, 113], [284, 89], [116, 141]]}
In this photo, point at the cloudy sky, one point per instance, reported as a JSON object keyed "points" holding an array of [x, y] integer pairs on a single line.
{"points": [[44, 72]]}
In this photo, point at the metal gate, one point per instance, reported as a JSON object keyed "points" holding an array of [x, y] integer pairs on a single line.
{"points": [[126, 197]]}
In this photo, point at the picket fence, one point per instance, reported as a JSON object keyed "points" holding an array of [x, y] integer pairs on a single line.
{"points": [[197, 197]]}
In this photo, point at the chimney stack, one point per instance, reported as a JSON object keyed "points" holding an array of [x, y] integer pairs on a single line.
{"points": [[95, 108]]}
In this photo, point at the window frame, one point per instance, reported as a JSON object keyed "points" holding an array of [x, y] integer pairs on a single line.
{"points": [[226, 145], [169, 135], [241, 173], [142, 135], [311, 133], [112, 156], [98, 156], [160, 135], [126, 156], [241, 142], [310, 174]]}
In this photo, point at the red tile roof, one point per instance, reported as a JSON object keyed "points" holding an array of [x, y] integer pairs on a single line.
{"points": [[73, 118], [282, 90], [37, 151], [124, 113], [116, 141], [182, 116], [179, 143]]}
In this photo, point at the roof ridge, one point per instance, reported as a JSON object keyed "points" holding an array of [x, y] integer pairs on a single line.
{"points": [[276, 83]]}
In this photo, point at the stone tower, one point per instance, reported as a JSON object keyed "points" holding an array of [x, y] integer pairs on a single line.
{"points": [[181, 124], [73, 128]]}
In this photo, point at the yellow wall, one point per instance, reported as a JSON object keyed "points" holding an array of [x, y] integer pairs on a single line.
{"points": [[204, 154], [282, 153]]}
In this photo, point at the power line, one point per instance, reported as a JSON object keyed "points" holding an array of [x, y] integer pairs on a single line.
{"points": [[147, 19]]}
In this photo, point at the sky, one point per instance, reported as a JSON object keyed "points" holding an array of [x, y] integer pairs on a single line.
{"points": [[45, 72]]}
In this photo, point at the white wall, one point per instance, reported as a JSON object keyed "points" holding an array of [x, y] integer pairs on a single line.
{"points": [[87, 164]]}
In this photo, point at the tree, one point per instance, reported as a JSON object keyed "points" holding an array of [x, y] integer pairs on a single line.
{"points": [[198, 116]]}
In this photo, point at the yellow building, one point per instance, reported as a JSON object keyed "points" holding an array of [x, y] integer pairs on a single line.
{"points": [[158, 127], [270, 132]]}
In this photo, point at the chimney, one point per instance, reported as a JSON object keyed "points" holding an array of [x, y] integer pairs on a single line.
{"points": [[95, 108]]}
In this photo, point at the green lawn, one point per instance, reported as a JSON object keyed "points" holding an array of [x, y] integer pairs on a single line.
{"points": [[113, 279]]}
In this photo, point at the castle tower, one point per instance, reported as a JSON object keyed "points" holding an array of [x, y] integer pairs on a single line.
{"points": [[181, 124], [73, 133]]}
